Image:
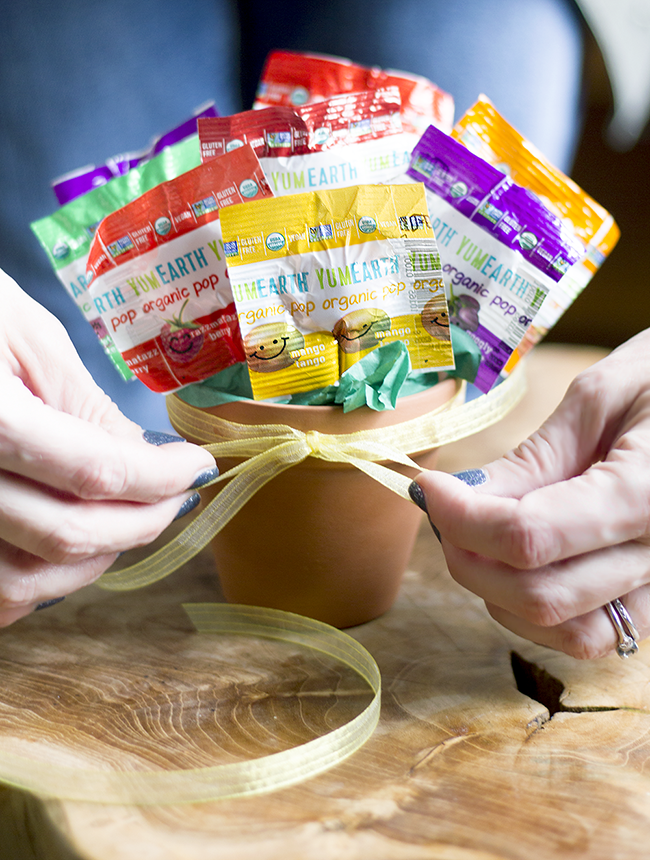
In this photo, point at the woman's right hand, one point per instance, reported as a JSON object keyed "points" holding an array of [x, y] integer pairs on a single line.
{"points": [[78, 482]]}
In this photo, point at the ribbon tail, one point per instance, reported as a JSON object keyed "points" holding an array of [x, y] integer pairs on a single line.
{"points": [[394, 481], [259, 470], [234, 779]]}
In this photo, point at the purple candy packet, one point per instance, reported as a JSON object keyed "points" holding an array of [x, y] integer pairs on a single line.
{"points": [[78, 182], [488, 197], [501, 249]]}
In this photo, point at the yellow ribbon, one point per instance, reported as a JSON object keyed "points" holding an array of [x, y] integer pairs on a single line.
{"points": [[236, 779], [271, 448]]}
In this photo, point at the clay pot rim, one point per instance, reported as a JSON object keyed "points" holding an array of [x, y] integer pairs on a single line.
{"points": [[331, 418]]}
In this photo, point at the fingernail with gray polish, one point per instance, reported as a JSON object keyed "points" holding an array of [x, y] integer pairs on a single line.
{"points": [[157, 437], [472, 477], [188, 505], [417, 495], [205, 477], [48, 603]]}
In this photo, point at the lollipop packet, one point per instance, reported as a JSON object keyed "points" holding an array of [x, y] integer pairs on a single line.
{"points": [[502, 249], [66, 235], [487, 134], [349, 139], [157, 274], [323, 278], [294, 79]]}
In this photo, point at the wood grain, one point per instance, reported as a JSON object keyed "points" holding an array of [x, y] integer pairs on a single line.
{"points": [[488, 748]]}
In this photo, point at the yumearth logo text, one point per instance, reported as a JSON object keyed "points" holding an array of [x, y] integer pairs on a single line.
{"points": [[358, 273], [334, 175], [263, 288]]}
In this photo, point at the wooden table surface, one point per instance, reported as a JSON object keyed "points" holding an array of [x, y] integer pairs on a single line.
{"points": [[487, 747]]}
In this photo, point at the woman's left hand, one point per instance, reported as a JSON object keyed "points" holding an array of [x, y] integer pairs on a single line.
{"points": [[556, 529]]}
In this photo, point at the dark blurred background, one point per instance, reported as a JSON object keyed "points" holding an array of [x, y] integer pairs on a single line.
{"points": [[616, 304]]}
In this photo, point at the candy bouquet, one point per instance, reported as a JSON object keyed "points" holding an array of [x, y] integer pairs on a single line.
{"points": [[327, 289], [314, 283]]}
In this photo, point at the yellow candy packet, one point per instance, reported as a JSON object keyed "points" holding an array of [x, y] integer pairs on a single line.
{"points": [[320, 279], [486, 133]]}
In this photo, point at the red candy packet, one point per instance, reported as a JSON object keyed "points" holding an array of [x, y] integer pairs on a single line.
{"points": [[294, 79], [349, 139], [158, 276]]}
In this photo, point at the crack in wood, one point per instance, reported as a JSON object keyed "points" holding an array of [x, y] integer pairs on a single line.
{"points": [[438, 748], [539, 685]]}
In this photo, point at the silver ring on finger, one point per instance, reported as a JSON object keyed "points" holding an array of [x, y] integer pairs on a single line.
{"points": [[628, 635]]}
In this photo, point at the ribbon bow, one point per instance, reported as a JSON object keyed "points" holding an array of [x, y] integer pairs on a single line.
{"points": [[268, 449]]}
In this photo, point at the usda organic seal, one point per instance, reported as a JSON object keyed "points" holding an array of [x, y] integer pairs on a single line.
{"points": [[321, 135], [299, 96], [458, 189], [162, 226], [234, 144], [527, 240], [275, 241], [367, 224], [248, 188], [60, 251]]}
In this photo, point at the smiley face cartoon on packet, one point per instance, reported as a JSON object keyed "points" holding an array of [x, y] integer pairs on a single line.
{"points": [[435, 318], [356, 331], [268, 347]]}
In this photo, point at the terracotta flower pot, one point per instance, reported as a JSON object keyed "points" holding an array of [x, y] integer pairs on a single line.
{"points": [[321, 539]]}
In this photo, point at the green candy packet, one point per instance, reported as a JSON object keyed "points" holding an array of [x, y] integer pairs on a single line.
{"points": [[66, 235]]}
